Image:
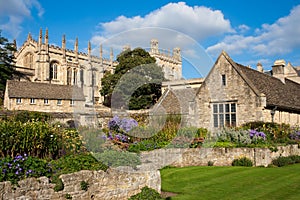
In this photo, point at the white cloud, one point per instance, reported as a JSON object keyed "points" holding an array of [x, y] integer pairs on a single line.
{"points": [[173, 25], [271, 39], [13, 12], [198, 22], [243, 28]]}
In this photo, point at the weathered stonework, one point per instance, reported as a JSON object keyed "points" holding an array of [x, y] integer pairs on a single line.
{"points": [[116, 184], [183, 157], [123, 182]]}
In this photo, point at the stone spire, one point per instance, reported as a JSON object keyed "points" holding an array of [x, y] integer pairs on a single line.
{"points": [[101, 53], [40, 36], [111, 55], [89, 48], [63, 46], [29, 37], [76, 49], [46, 37]]}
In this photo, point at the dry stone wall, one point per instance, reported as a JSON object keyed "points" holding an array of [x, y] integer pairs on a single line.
{"points": [[123, 182], [116, 184]]}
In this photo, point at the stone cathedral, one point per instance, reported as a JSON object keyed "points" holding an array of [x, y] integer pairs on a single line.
{"points": [[60, 78]]}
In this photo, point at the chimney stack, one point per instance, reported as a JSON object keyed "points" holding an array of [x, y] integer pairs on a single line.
{"points": [[278, 70], [259, 67]]}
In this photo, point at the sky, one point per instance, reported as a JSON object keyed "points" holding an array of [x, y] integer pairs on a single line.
{"points": [[249, 31]]}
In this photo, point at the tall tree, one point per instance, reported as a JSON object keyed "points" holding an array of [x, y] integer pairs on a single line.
{"points": [[7, 63], [136, 82]]}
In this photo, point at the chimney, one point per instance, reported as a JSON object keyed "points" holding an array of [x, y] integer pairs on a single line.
{"points": [[278, 70], [259, 67]]}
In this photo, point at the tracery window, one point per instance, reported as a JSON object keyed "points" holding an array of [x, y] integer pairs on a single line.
{"points": [[53, 71], [28, 60], [75, 77], [69, 76]]}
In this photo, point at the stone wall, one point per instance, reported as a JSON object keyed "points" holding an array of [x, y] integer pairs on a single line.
{"points": [[225, 156], [219, 156], [123, 182], [116, 184]]}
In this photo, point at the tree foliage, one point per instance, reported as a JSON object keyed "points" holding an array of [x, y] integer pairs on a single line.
{"points": [[7, 63], [136, 83]]}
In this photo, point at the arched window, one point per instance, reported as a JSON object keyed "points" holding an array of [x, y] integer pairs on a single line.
{"points": [[75, 77], [69, 76], [53, 71], [28, 60]]}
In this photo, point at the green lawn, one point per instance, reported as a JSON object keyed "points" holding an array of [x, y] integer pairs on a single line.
{"points": [[232, 182]]}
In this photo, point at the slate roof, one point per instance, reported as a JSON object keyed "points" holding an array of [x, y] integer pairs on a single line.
{"points": [[26, 89], [286, 96], [176, 101]]}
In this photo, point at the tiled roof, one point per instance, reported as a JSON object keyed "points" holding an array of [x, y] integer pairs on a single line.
{"points": [[176, 101], [285, 96], [26, 89]]}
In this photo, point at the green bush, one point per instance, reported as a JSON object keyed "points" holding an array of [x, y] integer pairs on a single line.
{"points": [[284, 161], [276, 133], [20, 167], [146, 145], [38, 139], [244, 161], [29, 116], [59, 186], [118, 158], [84, 185], [146, 194], [93, 139], [74, 163]]}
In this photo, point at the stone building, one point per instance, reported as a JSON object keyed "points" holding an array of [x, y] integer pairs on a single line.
{"points": [[45, 63], [171, 64], [59, 77], [43, 97], [233, 94]]}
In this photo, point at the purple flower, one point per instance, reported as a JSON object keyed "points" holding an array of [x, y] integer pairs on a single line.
{"points": [[253, 133]]}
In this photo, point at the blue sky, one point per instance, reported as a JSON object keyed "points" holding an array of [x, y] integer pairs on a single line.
{"points": [[249, 31]]}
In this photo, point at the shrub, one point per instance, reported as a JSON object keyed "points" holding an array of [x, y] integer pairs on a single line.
{"points": [[93, 139], [38, 139], [146, 194], [118, 158], [20, 167], [84, 185], [74, 163], [29, 116], [283, 161], [146, 145], [59, 186], [210, 163], [244, 161]]}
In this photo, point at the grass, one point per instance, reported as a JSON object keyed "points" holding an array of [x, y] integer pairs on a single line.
{"points": [[232, 182]]}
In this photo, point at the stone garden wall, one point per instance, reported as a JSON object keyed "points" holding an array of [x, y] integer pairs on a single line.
{"points": [[121, 183], [113, 184], [219, 156]]}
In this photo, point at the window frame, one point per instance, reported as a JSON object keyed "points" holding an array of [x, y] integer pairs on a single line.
{"points": [[32, 101], [223, 79], [224, 114], [46, 101], [18, 100], [53, 71], [59, 102], [72, 102]]}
